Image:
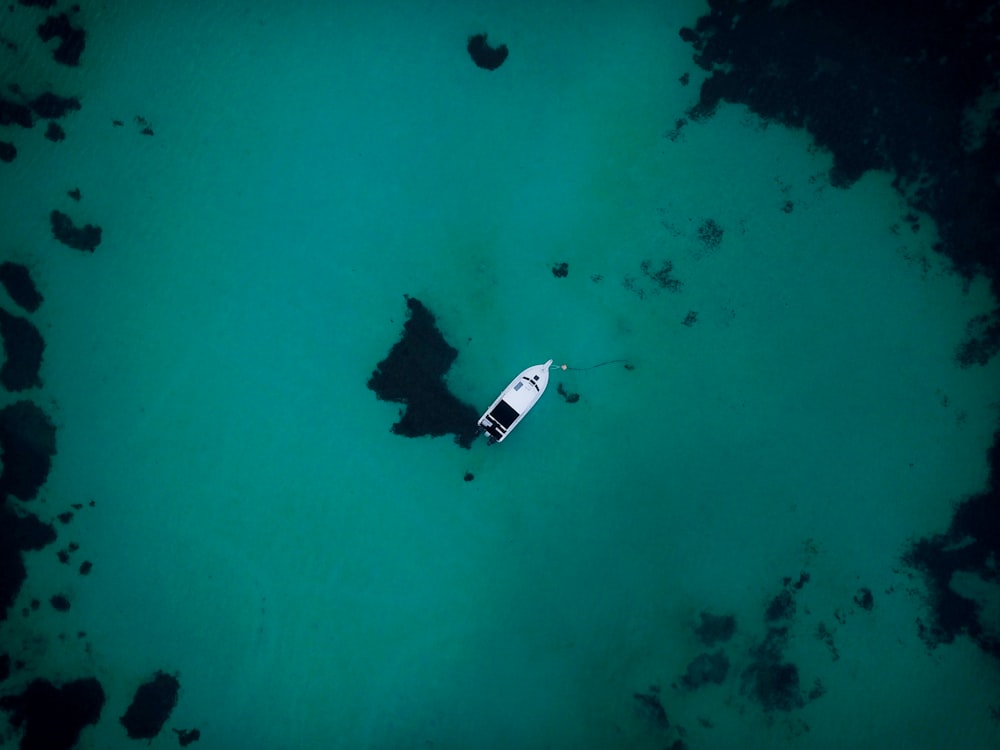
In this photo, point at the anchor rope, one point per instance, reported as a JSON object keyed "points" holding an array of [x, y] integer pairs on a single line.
{"points": [[599, 364]]}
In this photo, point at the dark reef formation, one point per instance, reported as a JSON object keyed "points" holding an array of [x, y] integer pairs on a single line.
{"points": [[895, 86], [51, 106], [18, 533], [769, 679], [186, 736], [560, 270], [23, 346], [715, 628], [16, 280], [971, 545], [54, 132], [413, 374], [706, 669], [8, 151], [151, 707], [650, 706], [72, 39], [52, 717], [85, 238], [27, 444], [485, 56], [568, 396], [15, 113]]}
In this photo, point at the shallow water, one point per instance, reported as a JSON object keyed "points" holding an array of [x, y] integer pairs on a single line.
{"points": [[311, 577]]}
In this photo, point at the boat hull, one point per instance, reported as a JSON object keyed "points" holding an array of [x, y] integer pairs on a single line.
{"points": [[514, 402]]}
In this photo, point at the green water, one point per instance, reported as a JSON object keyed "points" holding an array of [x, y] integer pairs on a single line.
{"points": [[315, 580]]}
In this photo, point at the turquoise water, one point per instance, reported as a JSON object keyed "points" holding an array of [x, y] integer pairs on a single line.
{"points": [[313, 578]]}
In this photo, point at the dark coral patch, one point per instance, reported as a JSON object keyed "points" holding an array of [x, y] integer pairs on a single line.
{"points": [[72, 39], [151, 707], [186, 736], [54, 132], [771, 681], [85, 238], [16, 280], [715, 628], [560, 270], [881, 88], [650, 706], [23, 345], [15, 113], [52, 717], [485, 56], [706, 669], [28, 442], [60, 603], [18, 532], [51, 106], [8, 151], [413, 374], [970, 545]]}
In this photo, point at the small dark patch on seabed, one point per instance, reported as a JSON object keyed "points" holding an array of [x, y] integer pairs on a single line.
{"points": [[27, 443], [705, 669], [85, 238], [413, 374], [72, 39], [650, 706], [54, 132], [715, 628], [51, 106], [560, 270], [970, 545], [186, 736], [151, 707], [23, 345], [16, 279], [485, 56], [570, 398]]}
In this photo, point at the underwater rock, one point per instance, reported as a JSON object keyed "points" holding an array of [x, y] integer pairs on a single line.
{"points": [[16, 280], [651, 707], [52, 717], [864, 598], [715, 628], [51, 106], [55, 133], [570, 398], [59, 603], [710, 234], [151, 707], [8, 151], [704, 669], [485, 56], [18, 533], [186, 736], [86, 238], [15, 113], [27, 444], [23, 345], [970, 545], [771, 681], [413, 374], [560, 270], [72, 39]]}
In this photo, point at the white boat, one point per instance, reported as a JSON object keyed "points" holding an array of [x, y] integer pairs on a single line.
{"points": [[514, 402]]}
